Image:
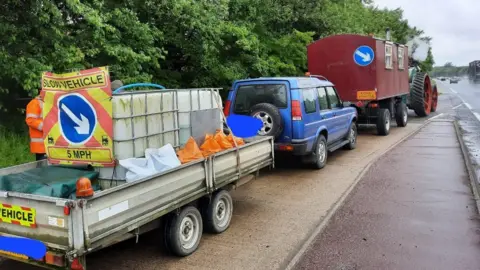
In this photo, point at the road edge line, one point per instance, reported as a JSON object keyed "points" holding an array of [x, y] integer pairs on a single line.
{"points": [[331, 212], [472, 175], [436, 116]]}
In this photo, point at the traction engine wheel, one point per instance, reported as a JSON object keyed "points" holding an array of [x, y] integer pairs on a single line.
{"points": [[434, 99], [422, 95]]}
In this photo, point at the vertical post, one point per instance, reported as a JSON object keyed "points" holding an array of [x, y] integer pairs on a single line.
{"points": [[147, 137], [198, 100], [78, 230], [176, 128], [161, 119], [189, 111], [131, 124]]}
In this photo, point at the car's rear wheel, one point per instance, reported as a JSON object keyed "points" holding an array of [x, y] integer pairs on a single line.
{"points": [[352, 137], [320, 153], [270, 117]]}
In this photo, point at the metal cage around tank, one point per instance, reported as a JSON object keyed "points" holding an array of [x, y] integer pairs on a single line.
{"points": [[178, 120]]}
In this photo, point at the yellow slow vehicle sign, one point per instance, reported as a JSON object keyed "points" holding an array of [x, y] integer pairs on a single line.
{"points": [[77, 113], [18, 215]]}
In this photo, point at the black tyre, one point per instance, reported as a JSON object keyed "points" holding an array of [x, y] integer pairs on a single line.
{"points": [[218, 213], [320, 153], [383, 122], [271, 118], [184, 231], [419, 99], [401, 114], [352, 137]]}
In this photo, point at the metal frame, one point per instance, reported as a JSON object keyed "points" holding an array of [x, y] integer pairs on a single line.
{"points": [[211, 183], [174, 109]]}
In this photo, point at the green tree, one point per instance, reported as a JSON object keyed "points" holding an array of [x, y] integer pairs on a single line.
{"points": [[58, 36], [181, 43]]}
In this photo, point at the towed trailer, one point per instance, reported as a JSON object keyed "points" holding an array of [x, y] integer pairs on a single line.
{"points": [[370, 73], [188, 199], [378, 76]]}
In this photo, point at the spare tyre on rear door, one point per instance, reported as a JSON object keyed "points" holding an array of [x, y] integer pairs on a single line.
{"points": [[271, 118]]}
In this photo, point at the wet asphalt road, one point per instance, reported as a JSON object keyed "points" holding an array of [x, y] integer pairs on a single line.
{"points": [[465, 100], [424, 217], [412, 210], [467, 91]]}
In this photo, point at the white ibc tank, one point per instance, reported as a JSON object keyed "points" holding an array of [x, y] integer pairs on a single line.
{"points": [[194, 100], [151, 119]]}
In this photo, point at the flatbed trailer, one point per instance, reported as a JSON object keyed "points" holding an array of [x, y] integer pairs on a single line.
{"points": [[71, 229]]}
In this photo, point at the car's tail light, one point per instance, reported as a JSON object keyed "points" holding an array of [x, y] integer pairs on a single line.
{"points": [[226, 109], [296, 110], [286, 147]]}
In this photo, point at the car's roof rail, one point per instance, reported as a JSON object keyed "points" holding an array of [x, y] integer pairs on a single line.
{"points": [[318, 77]]}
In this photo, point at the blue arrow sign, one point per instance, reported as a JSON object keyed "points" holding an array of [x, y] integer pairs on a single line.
{"points": [[77, 118], [363, 56]]}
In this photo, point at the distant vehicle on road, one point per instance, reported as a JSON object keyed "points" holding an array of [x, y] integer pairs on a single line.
{"points": [[474, 71], [454, 80], [304, 114], [443, 79]]}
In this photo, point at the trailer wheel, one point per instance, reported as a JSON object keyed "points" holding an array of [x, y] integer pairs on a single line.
{"points": [[218, 213], [184, 231], [401, 114], [352, 137], [421, 94], [434, 99], [383, 122], [320, 153]]}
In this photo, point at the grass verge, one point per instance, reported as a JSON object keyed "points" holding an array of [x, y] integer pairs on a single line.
{"points": [[14, 148]]}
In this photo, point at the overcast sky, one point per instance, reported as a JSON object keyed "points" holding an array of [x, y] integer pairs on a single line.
{"points": [[453, 25]]}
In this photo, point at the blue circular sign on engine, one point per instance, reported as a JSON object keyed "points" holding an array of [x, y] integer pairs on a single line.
{"points": [[363, 56], [77, 118]]}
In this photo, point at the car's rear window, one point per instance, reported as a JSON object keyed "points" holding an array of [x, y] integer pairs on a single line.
{"points": [[250, 95]]}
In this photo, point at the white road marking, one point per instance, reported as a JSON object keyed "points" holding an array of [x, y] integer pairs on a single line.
{"points": [[477, 115], [457, 106], [430, 119]]}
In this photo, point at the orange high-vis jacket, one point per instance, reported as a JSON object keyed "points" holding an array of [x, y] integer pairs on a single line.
{"points": [[34, 119]]}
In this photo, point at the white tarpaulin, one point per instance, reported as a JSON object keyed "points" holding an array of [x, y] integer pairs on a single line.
{"points": [[155, 161]]}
